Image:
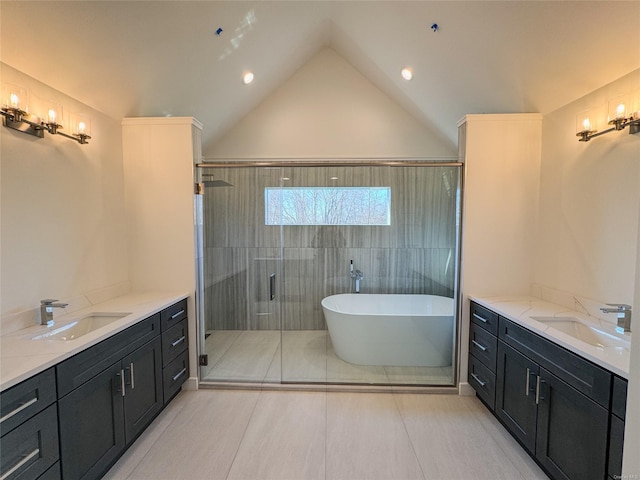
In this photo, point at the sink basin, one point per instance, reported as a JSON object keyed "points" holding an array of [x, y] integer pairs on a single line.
{"points": [[81, 326], [586, 333]]}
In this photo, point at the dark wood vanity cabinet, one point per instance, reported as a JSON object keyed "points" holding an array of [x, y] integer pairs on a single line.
{"points": [[106, 413], [29, 429], [558, 405], [76, 419]]}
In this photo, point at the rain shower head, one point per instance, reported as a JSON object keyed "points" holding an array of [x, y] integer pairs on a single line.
{"points": [[215, 183]]}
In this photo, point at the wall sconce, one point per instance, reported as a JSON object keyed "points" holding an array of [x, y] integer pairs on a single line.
{"points": [[622, 112], [15, 115]]}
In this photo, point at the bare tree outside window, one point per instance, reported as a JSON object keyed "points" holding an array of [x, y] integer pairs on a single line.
{"points": [[328, 206]]}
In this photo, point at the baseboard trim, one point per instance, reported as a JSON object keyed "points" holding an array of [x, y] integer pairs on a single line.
{"points": [[466, 390]]}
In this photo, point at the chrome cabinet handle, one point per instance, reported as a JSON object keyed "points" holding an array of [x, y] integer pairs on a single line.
{"points": [[538, 389], [477, 379], [175, 315], [483, 320], [122, 386], [178, 341], [179, 374], [479, 345], [19, 409], [21, 463], [133, 377], [526, 387]]}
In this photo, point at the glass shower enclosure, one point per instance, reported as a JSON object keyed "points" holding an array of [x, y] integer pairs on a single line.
{"points": [[275, 240]]}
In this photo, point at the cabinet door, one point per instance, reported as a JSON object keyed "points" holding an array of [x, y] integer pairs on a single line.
{"points": [[143, 395], [92, 426], [572, 431], [515, 394]]}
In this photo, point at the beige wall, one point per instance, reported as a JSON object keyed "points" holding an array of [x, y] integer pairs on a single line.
{"points": [[63, 231], [589, 240], [589, 202], [328, 109]]}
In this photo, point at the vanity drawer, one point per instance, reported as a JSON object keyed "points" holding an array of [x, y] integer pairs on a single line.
{"points": [[174, 342], [29, 450], [23, 401], [484, 318], [87, 364], [584, 376], [174, 375], [483, 381], [174, 314], [483, 346]]}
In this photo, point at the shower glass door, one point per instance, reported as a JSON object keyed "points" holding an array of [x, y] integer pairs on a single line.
{"points": [[241, 277], [278, 240]]}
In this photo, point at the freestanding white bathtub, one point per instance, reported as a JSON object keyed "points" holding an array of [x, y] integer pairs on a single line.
{"points": [[391, 330]]}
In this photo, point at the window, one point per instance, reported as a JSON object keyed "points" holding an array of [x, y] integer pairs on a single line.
{"points": [[328, 206]]}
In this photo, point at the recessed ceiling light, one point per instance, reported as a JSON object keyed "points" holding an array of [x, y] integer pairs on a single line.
{"points": [[247, 78], [407, 73]]}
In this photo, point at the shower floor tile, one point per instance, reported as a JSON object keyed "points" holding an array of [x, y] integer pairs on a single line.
{"points": [[304, 356]]}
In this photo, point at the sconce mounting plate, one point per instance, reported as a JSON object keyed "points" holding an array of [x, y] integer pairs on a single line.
{"points": [[25, 126]]}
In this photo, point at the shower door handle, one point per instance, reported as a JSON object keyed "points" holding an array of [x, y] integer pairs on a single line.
{"points": [[272, 286]]}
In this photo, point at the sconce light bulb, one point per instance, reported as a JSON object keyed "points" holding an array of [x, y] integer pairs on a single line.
{"points": [[586, 124], [81, 127], [407, 73], [14, 100], [52, 115], [620, 110]]}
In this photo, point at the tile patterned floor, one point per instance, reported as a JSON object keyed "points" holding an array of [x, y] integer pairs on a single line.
{"points": [[262, 435], [303, 356]]}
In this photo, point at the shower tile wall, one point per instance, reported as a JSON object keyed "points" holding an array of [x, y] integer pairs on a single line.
{"points": [[415, 254]]}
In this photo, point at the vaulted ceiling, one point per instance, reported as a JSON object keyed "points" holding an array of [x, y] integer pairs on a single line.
{"points": [[148, 58]]}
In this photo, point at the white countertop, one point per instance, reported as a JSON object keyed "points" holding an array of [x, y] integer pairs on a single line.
{"points": [[520, 310], [22, 357]]}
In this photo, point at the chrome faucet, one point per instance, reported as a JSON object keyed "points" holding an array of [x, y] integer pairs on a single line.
{"points": [[624, 314], [357, 276], [46, 310]]}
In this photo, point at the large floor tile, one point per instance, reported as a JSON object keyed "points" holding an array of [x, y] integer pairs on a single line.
{"points": [[451, 442], [366, 439], [285, 439], [201, 441]]}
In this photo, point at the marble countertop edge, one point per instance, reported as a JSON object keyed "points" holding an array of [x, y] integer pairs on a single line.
{"points": [[22, 357], [520, 309]]}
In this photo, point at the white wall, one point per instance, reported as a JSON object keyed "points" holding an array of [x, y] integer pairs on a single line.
{"points": [[63, 230], [502, 162], [589, 233], [329, 110]]}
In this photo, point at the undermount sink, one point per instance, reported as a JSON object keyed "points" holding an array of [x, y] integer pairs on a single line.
{"points": [[586, 333], [81, 326]]}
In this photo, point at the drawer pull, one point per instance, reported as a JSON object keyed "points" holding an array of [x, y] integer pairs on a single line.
{"points": [[526, 385], [537, 389], [178, 341], [477, 379], [133, 377], [479, 345], [176, 315], [20, 464], [482, 319], [179, 374], [19, 409]]}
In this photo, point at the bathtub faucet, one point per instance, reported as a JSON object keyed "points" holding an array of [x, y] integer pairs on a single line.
{"points": [[357, 276]]}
